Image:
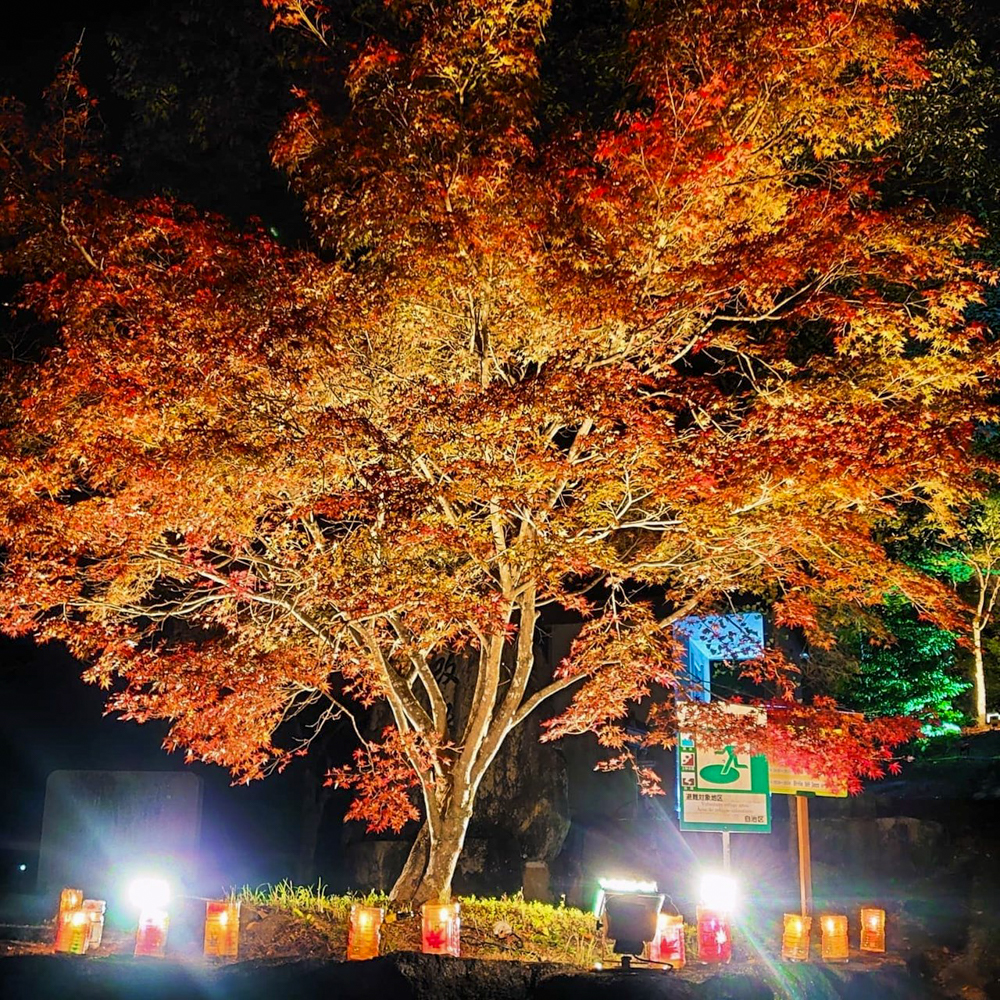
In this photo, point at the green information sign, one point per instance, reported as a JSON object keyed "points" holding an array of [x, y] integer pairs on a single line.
{"points": [[721, 791]]}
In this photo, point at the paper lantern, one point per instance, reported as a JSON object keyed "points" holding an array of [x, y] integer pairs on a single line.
{"points": [[872, 929], [151, 937], [73, 932], [715, 942], [441, 927], [70, 899], [222, 928], [795, 938], [668, 945], [94, 908], [364, 931], [833, 941]]}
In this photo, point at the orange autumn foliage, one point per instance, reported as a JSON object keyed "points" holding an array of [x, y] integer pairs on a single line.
{"points": [[622, 373]]}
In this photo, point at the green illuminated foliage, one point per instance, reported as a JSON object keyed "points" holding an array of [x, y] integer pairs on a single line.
{"points": [[915, 673]]}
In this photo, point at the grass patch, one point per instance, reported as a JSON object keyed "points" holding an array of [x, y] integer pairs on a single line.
{"points": [[505, 927]]}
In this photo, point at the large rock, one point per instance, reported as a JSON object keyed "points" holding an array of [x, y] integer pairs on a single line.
{"points": [[900, 844], [375, 864], [524, 797], [614, 984], [412, 976]]}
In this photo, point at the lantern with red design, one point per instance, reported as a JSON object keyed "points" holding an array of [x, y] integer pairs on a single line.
{"points": [[668, 945], [151, 896], [715, 943], [718, 899], [222, 928], [441, 927]]}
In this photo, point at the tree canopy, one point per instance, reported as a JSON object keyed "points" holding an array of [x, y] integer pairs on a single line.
{"points": [[625, 368]]}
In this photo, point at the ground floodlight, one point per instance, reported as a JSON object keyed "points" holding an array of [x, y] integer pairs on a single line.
{"points": [[631, 910], [718, 892], [149, 893], [609, 885]]}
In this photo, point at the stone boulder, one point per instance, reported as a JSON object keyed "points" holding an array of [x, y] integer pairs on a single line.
{"points": [[898, 844], [614, 984], [375, 864]]}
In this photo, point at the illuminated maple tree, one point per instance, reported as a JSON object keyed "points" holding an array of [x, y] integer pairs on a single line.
{"points": [[626, 373]]}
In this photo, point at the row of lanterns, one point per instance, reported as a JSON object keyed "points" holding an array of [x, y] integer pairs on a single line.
{"points": [[634, 916], [80, 922], [80, 925], [834, 943], [440, 930]]}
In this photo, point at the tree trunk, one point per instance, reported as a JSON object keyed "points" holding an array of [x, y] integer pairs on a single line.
{"points": [[430, 867], [416, 864], [315, 796], [978, 674]]}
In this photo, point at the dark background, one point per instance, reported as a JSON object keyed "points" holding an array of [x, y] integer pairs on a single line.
{"points": [[50, 719]]}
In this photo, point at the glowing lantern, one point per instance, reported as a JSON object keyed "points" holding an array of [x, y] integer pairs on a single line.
{"points": [[715, 942], [668, 945], [364, 931], [795, 939], [872, 929], [834, 945], [222, 928], [68, 930], [151, 896], [441, 926], [70, 899], [94, 908], [73, 932], [151, 937]]}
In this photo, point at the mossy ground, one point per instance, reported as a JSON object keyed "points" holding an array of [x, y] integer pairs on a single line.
{"points": [[505, 927]]}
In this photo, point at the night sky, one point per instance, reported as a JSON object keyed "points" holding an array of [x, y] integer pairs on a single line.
{"points": [[50, 719]]}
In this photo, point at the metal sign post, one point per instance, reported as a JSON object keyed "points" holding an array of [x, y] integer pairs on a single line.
{"points": [[805, 857]]}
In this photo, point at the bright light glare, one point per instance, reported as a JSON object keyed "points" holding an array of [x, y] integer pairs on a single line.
{"points": [[22, 867], [149, 893], [618, 885], [625, 885], [718, 892]]}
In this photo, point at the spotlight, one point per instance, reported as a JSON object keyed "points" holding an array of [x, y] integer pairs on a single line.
{"points": [[149, 893], [631, 910], [718, 892]]}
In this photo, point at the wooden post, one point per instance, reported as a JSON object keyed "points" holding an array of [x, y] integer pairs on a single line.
{"points": [[805, 859]]}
